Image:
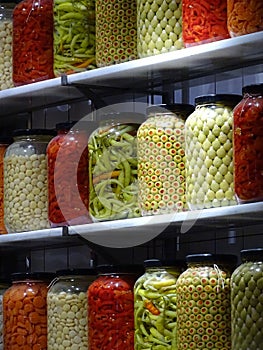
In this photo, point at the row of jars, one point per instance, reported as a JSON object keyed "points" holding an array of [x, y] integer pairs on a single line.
{"points": [[42, 40], [180, 158], [210, 304]]}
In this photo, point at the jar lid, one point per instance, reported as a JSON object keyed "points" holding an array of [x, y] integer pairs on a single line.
{"points": [[19, 276], [152, 263], [212, 258], [231, 99], [124, 268], [24, 132], [184, 108], [65, 125], [253, 89], [251, 254], [77, 272]]}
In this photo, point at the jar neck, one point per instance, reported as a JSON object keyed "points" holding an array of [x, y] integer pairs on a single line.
{"points": [[34, 138], [253, 94]]}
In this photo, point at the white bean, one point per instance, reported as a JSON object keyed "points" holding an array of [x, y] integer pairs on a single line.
{"points": [[6, 80]]}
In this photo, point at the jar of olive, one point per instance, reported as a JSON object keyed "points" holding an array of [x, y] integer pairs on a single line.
{"points": [[203, 302], [209, 152], [247, 301], [161, 159]]}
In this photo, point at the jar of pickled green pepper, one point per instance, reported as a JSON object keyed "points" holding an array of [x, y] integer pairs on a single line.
{"points": [[155, 308], [247, 301], [161, 159], [203, 302], [113, 167], [209, 152]]}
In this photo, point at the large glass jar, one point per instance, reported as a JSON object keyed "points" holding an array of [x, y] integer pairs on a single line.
{"points": [[25, 181], [155, 308], [113, 168], [248, 145], [159, 26], [6, 30], [247, 301], [32, 41], [68, 177], [116, 31], [209, 152], [203, 303], [161, 159], [74, 36], [67, 309], [244, 17], [204, 21], [111, 308], [4, 285], [25, 311]]}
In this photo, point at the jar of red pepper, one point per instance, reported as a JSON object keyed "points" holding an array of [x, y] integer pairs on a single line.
{"points": [[204, 21], [111, 308], [248, 145], [68, 181], [32, 41]]}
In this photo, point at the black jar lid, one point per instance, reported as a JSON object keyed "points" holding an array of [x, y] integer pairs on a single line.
{"points": [[231, 99], [255, 254], [252, 89], [39, 276], [77, 272], [24, 132], [212, 258], [183, 108], [152, 263]]}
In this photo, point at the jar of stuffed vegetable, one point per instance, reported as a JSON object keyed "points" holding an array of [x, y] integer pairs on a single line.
{"points": [[247, 301], [68, 177], [111, 308], [161, 159], [209, 152], [32, 41], [25, 181], [113, 167], [155, 308], [203, 302], [67, 302], [248, 145], [25, 311]]}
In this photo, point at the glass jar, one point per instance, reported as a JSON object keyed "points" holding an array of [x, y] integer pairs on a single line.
{"points": [[68, 176], [209, 152], [247, 301], [25, 311], [204, 21], [111, 308], [4, 285], [74, 36], [4, 143], [155, 307], [25, 181], [248, 145], [32, 41], [67, 308], [116, 31], [203, 303], [161, 159], [159, 27], [6, 25], [244, 17], [113, 168]]}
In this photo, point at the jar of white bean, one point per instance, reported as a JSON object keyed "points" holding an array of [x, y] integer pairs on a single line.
{"points": [[6, 32], [67, 309], [25, 181]]}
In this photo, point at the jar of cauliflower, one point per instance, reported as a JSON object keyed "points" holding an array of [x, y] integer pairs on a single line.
{"points": [[25, 181], [209, 152]]}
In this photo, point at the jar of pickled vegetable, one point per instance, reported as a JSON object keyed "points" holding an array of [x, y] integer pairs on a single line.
{"points": [[25, 311], [67, 303], [203, 303], [247, 301], [116, 31], [204, 21], [74, 36], [155, 308], [4, 285], [25, 181], [161, 159], [159, 27], [113, 168], [244, 17], [6, 32], [111, 308], [68, 176], [209, 152], [32, 41], [248, 145]]}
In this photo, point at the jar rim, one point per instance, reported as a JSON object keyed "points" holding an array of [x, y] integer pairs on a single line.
{"points": [[25, 132], [253, 88], [233, 99], [212, 258], [184, 108], [253, 254], [19, 276]]}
